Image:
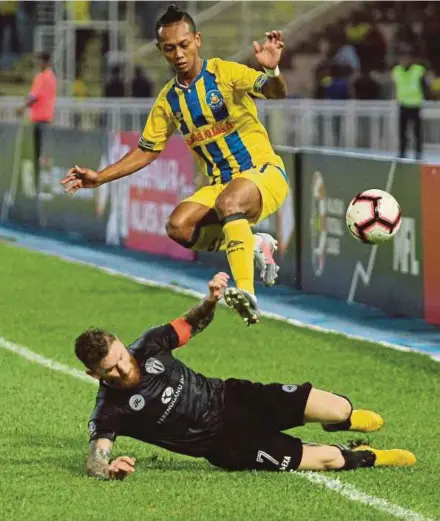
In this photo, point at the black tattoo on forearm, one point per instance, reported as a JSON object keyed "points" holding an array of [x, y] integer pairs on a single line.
{"points": [[200, 316], [98, 461]]}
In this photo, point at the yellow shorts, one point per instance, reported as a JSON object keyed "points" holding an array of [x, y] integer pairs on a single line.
{"points": [[271, 181]]}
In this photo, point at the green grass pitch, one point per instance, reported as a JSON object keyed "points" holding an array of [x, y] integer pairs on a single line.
{"points": [[45, 302]]}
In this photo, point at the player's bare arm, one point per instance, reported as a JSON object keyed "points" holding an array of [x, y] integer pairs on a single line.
{"points": [[268, 55], [99, 465], [79, 177], [202, 314], [98, 459], [29, 101]]}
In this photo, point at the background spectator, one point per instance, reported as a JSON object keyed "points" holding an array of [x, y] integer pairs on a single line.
{"points": [[79, 92], [346, 54], [41, 101], [411, 88], [374, 48], [141, 86], [8, 26], [365, 87], [79, 12], [114, 87]]}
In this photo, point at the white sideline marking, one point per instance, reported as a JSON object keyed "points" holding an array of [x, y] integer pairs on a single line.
{"points": [[353, 494], [346, 490], [45, 362], [192, 293]]}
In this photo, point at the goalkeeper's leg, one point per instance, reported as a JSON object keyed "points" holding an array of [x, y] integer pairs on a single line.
{"points": [[336, 413], [339, 457], [239, 450]]}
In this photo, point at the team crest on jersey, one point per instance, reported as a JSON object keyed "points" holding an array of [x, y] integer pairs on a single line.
{"points": [[289, 388], [136, 402], [154, 366], [260, 82], [214, 99]]}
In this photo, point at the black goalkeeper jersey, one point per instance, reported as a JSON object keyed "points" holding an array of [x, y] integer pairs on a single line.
{"points": [[173, 406]]}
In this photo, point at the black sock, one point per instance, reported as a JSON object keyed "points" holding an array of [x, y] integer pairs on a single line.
{"points": [[341, 426], [355, 459]]}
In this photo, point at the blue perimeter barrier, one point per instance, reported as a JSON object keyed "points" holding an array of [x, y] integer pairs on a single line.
{"points": [[311, 311]]}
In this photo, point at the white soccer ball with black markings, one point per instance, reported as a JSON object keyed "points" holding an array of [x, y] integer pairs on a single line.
{"points": [[373, 217]]}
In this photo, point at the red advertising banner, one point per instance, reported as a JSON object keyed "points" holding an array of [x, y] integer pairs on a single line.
{"points": [[154, 192], [431, 218]]}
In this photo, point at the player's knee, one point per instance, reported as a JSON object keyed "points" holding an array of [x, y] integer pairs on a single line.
{"points": [[342, 409], [178, 231], [228, 204]]}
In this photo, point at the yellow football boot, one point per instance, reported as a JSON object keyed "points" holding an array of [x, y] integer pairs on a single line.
{"points": [[360, 421], [365, 421]]}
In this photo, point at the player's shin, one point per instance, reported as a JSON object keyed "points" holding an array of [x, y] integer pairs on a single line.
{"points": [[208, 238], [334, 457], [240, 250], [212, 238]]}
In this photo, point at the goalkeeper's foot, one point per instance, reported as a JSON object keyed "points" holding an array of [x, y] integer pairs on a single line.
{"points": [[265, 247], [244, 303], [360, 421], [387, 458]]}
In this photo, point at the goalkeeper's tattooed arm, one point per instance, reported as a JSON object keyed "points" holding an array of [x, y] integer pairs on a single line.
{"points": [[99, 465], [201, 315], [99, 458]]}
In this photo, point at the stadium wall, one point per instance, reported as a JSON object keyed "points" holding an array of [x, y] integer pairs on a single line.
{"points": [[332, 263], [316, 253]]}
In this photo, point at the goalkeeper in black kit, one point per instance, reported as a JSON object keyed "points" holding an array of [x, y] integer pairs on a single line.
{"points": [[147, 394]]}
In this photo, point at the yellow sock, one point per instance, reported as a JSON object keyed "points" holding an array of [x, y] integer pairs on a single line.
{"points": [[212, 238], [240, 252]]}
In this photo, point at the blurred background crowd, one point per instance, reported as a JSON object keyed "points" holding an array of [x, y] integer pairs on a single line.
{"points": [[348, 57]]}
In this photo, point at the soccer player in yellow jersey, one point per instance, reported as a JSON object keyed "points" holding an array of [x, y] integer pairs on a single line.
{"points": [[211, 103]]}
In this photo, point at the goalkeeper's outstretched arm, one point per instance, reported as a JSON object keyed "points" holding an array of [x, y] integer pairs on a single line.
{"points": [[201, 315]]}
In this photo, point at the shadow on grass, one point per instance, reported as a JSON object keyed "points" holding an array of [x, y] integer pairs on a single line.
{"points": [[70, 453]]}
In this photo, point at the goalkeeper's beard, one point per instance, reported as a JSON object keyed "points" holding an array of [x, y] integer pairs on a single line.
{"points": [[128, 381]]}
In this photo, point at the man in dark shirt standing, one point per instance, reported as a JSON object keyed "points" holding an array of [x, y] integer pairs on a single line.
{"points": [[114, 88], [365, 87], [147, 394], [141, 86]]}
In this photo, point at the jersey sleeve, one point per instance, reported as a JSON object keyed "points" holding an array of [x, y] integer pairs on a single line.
{"points": [[102, 425], [158, 128], [244, 78], [160, 338]]}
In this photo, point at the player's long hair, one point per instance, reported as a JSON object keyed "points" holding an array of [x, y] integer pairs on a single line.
{"points": [[93, 345], [174, 15]]}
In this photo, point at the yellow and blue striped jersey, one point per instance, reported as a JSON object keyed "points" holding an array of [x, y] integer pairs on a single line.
{"points": [[218, 118]]}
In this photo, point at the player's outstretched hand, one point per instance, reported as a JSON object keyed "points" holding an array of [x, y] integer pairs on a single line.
{"points": [[216, 286], [121, 467], [78, 177], [268, 53]]}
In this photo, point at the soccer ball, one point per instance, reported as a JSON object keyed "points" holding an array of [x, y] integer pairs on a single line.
{"points": [[373, 217]]}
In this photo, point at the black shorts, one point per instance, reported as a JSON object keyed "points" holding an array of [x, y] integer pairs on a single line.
{"points": [[254, 417]]}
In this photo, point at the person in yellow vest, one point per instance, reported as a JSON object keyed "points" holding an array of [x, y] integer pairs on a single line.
{"points": [[411, 87]]}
